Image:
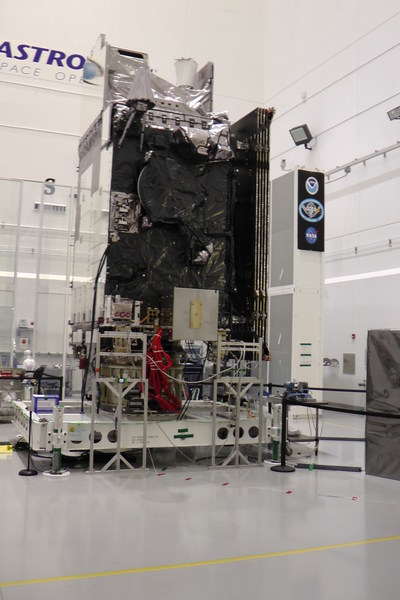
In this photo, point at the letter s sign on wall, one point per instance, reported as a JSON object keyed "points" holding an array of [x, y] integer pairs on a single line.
{"points": [[49, 187]]}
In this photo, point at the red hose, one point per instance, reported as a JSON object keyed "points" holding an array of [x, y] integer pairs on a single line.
{"points": [[158, 361]]}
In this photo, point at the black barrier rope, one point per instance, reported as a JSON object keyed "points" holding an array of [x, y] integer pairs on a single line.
{"points": [[283, 467], [320, 389]]}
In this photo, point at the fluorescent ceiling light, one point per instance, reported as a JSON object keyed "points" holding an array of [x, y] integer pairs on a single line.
{"points": [[359, 276]]}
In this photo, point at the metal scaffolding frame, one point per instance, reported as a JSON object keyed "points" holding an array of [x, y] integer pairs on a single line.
{"points": [[239, 385], [120, 387]]}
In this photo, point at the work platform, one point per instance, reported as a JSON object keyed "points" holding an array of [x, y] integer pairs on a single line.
{"points": [[163, 431]]}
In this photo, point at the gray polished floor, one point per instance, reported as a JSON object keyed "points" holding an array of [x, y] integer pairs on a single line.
{"points": [[180, 530]]}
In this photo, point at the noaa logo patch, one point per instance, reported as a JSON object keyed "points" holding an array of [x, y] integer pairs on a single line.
{"points": [[312, 186], [311, 210], [311, 235]]}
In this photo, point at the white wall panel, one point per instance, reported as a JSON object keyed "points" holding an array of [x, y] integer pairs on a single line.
{"points": [[36, 155], [336, 69], [228, 32], [30, 106], [353, 305]]}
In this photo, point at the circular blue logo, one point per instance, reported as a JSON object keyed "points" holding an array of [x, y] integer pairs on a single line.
{"points": [[311, 235], [91, 72], [311, 210], [312, 186]]}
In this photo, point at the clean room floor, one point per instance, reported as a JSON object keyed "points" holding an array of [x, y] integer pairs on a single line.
{"points": [[185, 531]]}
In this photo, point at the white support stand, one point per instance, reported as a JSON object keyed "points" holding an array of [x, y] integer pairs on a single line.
{"points": [[58, 441], [120, 387], [296, 289], [238, 384]]}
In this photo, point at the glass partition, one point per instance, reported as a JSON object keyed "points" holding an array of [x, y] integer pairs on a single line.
{"points": [[10, 196], [36, 252]]}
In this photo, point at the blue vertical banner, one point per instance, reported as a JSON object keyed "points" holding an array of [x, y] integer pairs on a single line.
{"points": [[311, 211]]}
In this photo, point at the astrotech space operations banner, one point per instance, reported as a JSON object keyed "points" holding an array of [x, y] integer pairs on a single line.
{"points": [[311, 211]]}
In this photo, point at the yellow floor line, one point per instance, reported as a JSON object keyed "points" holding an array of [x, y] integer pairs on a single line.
{"points": [[203, 563]]}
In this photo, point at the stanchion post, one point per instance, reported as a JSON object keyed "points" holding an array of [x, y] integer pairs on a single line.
{"points": [[28, 472], [283, 467]]}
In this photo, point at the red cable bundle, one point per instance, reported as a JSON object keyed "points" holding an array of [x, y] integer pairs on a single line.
{"points": [[158, 362]]}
